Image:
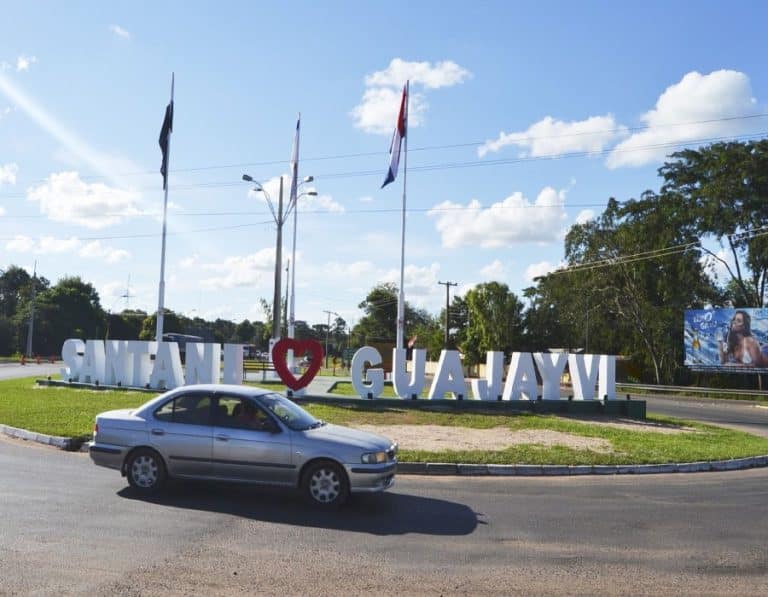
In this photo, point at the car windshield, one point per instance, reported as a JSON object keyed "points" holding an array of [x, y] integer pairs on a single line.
{"points": [[288, 412]]}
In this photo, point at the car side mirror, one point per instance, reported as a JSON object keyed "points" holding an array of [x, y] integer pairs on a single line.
{"points": [[272, 427]]}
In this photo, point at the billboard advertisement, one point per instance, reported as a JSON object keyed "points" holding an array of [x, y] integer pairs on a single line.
{"points": [[728, 340]]}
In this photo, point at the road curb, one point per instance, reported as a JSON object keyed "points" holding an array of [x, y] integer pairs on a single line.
{"points": [[546, 470], [480, 470], [63, 443]]}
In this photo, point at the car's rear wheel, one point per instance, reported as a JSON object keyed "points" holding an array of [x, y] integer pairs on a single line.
{"points": [[325, 484], [145, 470]]}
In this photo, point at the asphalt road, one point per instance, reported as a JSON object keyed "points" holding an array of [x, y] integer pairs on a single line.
{"points": [[69, 527], [16, 370], [746, 416]]}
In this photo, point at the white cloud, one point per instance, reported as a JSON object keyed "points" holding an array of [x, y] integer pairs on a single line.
{"points": [[584, 216], [24, 62], [20, 244], [494, 270], [366, 199], [348, 271], [377, 111], [513, 220], [443, 74], [420, 283], [236, 271], [95, 249], [46, 245], [550, 137], [540, 269], [120, 32], [320, 203], [8, 173], [691, 110], [63, 197], [190, 261]]}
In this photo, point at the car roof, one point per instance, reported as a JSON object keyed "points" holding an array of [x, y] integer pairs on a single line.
{"points": [[217, 388]]}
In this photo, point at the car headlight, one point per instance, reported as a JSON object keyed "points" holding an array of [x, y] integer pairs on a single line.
{"points": [[374, 457]]}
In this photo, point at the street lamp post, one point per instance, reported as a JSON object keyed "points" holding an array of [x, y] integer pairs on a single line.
{"points": [[279, 221]]}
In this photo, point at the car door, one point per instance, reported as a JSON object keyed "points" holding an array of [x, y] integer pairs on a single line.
{"points": [[251, 448], [181, 431]]}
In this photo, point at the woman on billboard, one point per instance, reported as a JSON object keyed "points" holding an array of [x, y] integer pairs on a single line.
{"points": [[740, 348]]}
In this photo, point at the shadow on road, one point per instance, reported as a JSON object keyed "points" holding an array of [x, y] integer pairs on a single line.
{"points": [[388, 513]]}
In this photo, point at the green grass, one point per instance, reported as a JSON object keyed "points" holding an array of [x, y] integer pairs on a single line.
{"points": [[70, 412], [345, 388]]}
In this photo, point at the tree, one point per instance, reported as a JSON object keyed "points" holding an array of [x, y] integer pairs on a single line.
{"points": [[70, 309], [725, 189], [172, 323], [245, 333], [125, 325], [495, 321], [621, 263], [379, 324]]}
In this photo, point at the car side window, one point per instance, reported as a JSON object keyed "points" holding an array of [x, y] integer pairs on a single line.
{"points": [[189, 409], [241, 413]]}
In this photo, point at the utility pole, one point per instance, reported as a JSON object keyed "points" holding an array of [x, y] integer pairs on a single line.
{"points": [[447, 307], [32, 312], [327, 332]]}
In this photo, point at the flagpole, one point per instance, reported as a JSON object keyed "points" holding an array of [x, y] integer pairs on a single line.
{"points": [[161, 289], [295, 168], [401, 295]]}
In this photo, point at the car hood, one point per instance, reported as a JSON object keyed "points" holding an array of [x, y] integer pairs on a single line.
{"points": [[349, 437]]}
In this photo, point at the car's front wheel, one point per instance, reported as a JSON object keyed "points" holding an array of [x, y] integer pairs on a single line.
{"points": [[145, 470], [325, 484]]}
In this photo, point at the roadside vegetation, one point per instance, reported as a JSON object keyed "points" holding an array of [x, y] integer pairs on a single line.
{"points": [[69, 412]]}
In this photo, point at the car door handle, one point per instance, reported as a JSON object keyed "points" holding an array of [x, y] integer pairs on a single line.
{"points": [[158, 432], [222, 438]]}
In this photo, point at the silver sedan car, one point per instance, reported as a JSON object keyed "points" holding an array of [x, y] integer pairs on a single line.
{"points": [[242, 434]]}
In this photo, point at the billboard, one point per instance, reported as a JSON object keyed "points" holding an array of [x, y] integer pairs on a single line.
{"points": [[727, 340]]}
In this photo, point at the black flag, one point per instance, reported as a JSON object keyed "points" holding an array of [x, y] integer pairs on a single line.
{"points": [[165, 134]]}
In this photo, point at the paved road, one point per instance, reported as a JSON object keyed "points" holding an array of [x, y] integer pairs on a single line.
{"points": [[16, 370], [746, 416], [71, 528]]}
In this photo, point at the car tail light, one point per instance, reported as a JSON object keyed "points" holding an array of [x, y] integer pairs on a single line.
{"points": [[95, 428]]}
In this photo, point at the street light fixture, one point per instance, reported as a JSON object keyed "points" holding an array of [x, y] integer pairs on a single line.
{"points": [[279, 221]]}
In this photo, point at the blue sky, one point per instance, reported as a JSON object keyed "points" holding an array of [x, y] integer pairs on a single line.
{"points": [[525, 118]]}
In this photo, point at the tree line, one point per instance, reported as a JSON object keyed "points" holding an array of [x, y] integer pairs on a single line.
{"points": [[631, 271], [699, 240]]}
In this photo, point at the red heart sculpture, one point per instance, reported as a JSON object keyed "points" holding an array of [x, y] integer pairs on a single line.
{"points": [[279, 352]]}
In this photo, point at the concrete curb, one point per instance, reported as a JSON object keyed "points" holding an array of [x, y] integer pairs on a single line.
{"points": [[480, 470], [63, 443]]}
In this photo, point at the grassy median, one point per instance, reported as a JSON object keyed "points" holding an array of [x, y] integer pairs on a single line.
{"points": [[70, 412]]}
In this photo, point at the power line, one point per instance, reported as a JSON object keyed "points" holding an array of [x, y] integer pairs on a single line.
{"points": [[461, 165], [653, 254], [528, 139]]}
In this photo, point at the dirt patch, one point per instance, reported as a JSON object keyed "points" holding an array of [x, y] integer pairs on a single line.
{"points": [[438, 438]]}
